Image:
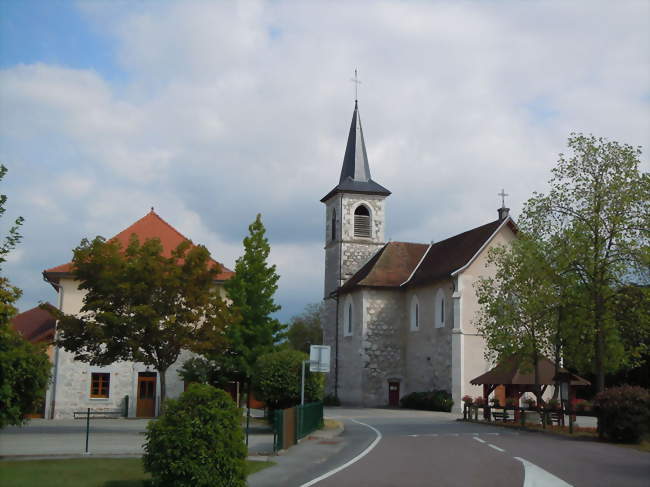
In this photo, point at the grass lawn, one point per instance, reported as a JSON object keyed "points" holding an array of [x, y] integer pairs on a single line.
{"points": [[84, 472]]}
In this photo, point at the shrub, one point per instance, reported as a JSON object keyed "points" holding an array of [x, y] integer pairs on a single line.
{"points": [[276, 379], [198, 441], [511, 402], [530, 402], [495, 402], [623, 413], [581, 405], [553, 404], [331, 400], [429, 401]]}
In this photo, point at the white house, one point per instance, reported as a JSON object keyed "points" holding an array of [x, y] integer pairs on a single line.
{"points": [[121, 386]]}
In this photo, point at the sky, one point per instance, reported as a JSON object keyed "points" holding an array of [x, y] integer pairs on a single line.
{"points": [[212, 112]]}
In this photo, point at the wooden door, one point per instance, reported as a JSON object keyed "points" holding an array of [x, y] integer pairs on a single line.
{"points": [[146, 407], [393, 393]]}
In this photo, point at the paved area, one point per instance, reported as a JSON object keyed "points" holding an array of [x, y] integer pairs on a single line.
{"points": [[413, 448], [108, 437]]}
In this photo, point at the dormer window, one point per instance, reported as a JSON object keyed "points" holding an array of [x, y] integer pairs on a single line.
{"points": [[362, 222]]}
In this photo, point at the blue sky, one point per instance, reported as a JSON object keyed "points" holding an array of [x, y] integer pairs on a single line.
{"points": [[215, 111]]}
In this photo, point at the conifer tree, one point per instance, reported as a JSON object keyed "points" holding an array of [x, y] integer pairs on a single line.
{"points": [[251, 291]]}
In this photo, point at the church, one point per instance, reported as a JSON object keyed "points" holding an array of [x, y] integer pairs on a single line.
{"points": [[398, 315]]}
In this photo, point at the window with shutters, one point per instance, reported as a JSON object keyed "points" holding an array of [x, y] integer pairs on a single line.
{"points": [[362, 223], [100, 385]]}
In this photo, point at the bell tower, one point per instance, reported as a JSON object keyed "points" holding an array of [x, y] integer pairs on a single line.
{"points": [[354, 213]]}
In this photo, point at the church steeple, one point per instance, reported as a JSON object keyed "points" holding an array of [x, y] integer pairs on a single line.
{"points": [[355, 172]]}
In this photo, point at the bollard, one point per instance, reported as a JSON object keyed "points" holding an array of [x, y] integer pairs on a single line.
{"points": [[87, 428]]}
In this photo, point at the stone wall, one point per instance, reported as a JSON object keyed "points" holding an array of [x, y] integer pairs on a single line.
{"points": [[428, 357], [384, 350]]}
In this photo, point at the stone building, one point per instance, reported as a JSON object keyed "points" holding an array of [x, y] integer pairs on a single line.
{"points": [[78, 385], [398, 315]]}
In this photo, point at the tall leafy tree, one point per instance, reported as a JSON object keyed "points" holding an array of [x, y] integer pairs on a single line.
{"points": [[24, 367], [251, 291], [142, 306], [518, 316], [305, 329], [599, 203]]}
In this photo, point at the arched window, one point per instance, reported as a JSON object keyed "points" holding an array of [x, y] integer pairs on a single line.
{"points": [[415, 314], [333, 224], [347, 317], [362, 223], [440, 309]]}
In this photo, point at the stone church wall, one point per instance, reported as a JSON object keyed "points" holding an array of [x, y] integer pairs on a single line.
{"points": [[383, 345], [428, 357]]}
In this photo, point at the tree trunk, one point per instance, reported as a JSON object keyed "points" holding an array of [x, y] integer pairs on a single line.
{"points": [[600, 344], [163, 388]]}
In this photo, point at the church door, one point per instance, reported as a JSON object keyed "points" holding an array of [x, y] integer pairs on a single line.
{"points": [[146, 407], [393, 393]]}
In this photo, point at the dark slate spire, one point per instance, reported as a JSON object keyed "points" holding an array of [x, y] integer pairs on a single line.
{"points": [[355, 173]]}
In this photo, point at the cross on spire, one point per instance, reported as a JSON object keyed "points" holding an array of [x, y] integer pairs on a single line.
{"points": [[356, 82], [503, 195]]}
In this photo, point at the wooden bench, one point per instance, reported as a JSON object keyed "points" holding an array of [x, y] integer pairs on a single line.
{"points": [[500, 416], [98, 414]]}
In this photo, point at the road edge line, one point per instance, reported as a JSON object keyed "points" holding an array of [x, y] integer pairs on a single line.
{"points": [[350, 462]]}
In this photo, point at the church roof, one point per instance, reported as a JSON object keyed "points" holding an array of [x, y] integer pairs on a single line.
{"points": [[410, 264], [451, 254], [389, 267], [35, 325], [355, 173], [147, 227]]}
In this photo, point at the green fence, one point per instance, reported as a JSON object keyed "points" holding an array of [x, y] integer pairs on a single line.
{"points": [[310, 418], [292, 424]]}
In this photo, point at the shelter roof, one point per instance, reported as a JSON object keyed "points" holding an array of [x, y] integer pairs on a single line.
{"points": [[511, 371], [35, 325], [147, 227]]}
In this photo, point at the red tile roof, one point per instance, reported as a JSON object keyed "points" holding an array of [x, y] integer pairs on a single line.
{"points": [[147, 227], [35, 325], [394, 263], [389, 267]]}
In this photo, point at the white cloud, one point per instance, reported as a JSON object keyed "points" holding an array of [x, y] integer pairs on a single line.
{"points": [[229, 109]]}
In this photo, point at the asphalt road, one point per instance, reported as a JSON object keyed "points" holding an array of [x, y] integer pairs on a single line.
{"points": [[432, 449]]}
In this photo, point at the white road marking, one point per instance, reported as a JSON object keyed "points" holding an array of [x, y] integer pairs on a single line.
{"points": [[479, 439], [496, 447], [495, 434], [354, 460], [414, 436], [535, 476]]}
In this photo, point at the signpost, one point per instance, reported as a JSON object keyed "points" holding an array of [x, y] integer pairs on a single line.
{"points": [[319, 361]]}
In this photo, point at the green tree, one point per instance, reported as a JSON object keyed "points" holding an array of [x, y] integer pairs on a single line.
{"points": [[24, 367], [142, 306], [277, 379], [305, 329], [598, 203], [251, 291], [518, 305]]}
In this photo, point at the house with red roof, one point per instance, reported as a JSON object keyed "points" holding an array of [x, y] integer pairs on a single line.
{"points": [[399, 315], [128, 388]]}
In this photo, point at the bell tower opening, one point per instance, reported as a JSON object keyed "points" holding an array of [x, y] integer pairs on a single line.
{"points": [[362, 222]]}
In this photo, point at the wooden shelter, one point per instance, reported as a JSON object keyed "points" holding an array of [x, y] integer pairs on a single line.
{"points": [[518, 379]]}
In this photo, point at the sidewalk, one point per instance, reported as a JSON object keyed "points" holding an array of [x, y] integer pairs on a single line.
{"points": [[66, 438]]}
